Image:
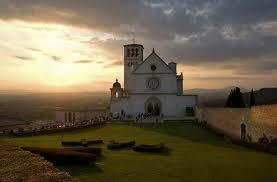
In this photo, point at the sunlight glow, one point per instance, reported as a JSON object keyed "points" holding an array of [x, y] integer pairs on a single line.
{"points": [[46, 55]]}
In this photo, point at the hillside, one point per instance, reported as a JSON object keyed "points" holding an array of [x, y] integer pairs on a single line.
{"points": [[217, 97]]}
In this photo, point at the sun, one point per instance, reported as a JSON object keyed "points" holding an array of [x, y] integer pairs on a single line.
{"points": [[61, 74]]}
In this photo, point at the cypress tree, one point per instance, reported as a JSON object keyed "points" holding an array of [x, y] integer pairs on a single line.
{"points": [[228, 102], [235, 99], [252, 99]]}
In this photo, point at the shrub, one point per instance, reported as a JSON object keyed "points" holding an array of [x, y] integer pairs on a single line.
{"points": [[149, 148], [91, 142], [117, 145], [90, 150], [71, 143], [63, 156]]}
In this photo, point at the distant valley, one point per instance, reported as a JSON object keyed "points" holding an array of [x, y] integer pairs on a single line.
{"points": [[26, 105]]}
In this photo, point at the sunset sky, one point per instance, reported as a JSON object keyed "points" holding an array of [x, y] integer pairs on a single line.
{"points": [[70, 45]]}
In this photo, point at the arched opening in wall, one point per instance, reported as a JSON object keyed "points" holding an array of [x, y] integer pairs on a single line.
{"points": [[156, 109], [243, 131], [153, 106], [69, 117], [150, 108], [116, 94]]}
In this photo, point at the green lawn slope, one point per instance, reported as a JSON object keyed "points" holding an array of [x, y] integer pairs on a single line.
{"points": [[193, 154]]}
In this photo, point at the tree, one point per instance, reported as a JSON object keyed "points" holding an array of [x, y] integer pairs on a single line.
{"points": [[228, 102], [252, 98], [235, 99]]}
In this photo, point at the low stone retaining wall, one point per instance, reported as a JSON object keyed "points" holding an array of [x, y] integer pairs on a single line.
{"points": [[258, 121], [54, 130]]}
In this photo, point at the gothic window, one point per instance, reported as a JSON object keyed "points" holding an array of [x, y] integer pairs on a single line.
{"points": [[116, 94], [137, 52], [128, 52], [132, 52]]}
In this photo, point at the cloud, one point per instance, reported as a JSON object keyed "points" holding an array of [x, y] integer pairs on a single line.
{"points": [[114, 64], [200, 33], [220, 78], [33, 49], [117, 63], [24, 58], [56, 59], [83, 61]]}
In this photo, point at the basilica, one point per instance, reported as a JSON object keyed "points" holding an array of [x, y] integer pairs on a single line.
{"points": [[151, 87]]}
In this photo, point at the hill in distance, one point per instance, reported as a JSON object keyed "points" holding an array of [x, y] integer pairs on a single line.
{"points": [[218, 97]]}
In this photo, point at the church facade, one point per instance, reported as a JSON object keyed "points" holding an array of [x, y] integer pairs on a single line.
{"points": [[151, 86]]}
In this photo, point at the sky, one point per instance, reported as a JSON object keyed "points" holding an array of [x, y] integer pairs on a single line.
{"points": [[69, 45]]}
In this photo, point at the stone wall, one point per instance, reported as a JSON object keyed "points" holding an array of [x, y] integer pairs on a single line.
{"points": [[76, 116], [263, 119], [258, 120]]}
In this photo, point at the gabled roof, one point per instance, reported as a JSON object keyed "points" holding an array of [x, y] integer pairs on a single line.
{"points": [[148, 59]]}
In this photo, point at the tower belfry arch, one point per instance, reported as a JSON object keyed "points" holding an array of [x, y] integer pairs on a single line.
{"points": [[133, 56]]}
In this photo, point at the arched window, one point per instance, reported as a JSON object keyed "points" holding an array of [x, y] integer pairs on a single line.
{"points": [[132, 52], [150, 108], [116, 94], [137, 52], [153, 106], [157, 109], [128, 52]]}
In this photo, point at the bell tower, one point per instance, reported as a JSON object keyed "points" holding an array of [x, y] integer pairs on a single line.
{"points": [[133, 56]]}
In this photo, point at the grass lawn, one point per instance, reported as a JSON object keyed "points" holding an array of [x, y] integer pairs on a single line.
{"points": [[194, 154]]}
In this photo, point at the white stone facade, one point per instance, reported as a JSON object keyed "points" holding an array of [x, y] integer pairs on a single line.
{"points": [[150, 87]]}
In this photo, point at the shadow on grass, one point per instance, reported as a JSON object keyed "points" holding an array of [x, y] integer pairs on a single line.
{"points": [[80, 170], [101, 157], [121, 149], [187, 131]]}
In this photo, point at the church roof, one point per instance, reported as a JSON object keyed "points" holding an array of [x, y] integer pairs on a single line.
{"points": [[154, 54]]}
